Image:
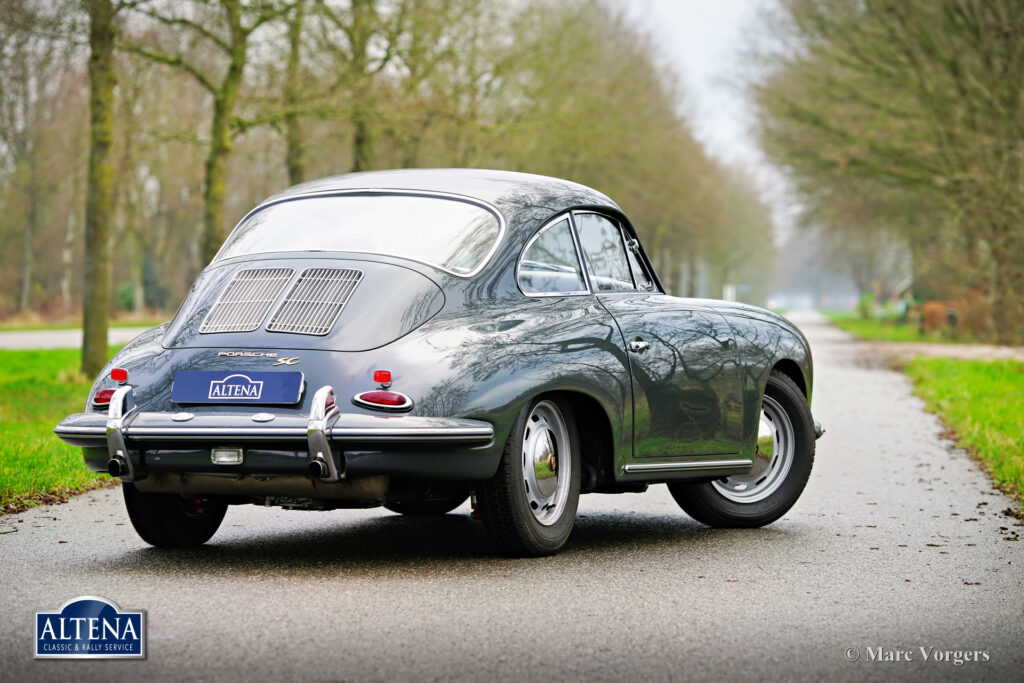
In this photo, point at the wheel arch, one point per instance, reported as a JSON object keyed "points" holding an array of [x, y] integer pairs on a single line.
{"points": [[597, 441], [790, 368]]}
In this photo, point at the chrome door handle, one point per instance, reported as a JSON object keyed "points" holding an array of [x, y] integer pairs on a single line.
{"points": [[639, 346]]}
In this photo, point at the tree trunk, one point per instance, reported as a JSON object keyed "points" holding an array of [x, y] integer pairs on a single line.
{"points": [[31, 219], [217, 162], [691, 281], [98, 204], [362, 141], [295, 141], [1006, 300], [216, 178], [70, 228]]}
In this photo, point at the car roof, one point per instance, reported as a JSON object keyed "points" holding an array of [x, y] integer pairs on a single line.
{"points": [[509, 191]]}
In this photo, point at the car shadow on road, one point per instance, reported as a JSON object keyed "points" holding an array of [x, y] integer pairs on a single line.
{"points": [[423, 546]]}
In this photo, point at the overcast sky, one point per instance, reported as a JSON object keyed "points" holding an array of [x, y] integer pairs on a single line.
{"points": [[703, 41]]}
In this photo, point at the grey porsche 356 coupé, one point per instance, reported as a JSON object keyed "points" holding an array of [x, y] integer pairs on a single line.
{"points": [[413, 338]]}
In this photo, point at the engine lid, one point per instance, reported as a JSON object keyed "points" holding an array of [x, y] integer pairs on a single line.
{"points": [[303, 303]]}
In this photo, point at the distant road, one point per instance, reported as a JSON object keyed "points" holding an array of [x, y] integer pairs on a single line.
{"points": [[61, 339]]}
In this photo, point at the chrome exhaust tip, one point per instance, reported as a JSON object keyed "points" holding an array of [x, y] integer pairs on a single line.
{"points": [[318, 468], [116, 467]]}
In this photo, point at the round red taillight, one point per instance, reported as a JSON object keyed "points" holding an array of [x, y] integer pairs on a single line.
{"points": [[383, 400], [119, 375]]}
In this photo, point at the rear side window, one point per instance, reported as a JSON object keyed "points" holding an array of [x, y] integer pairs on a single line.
{"points": [[643, 280], [550, 264], [601, 242]]}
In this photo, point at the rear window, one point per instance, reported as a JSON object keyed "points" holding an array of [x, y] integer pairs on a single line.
{"points": [[456, 236]]}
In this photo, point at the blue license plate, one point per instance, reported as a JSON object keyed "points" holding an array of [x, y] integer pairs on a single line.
{"points": [[200, 386]]}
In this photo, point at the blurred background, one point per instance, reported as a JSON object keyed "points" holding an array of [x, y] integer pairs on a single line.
{"points": [[841, 155]]}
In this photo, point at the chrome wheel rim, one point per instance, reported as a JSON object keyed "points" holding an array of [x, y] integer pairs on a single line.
{"points": [[773, 458], [547, 462]]}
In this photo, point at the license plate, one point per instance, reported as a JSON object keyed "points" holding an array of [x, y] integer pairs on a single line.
{"points": [[203, 386]]}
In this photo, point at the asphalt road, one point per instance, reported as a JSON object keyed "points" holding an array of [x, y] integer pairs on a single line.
{"points": [[898, 543], [61, 339]]}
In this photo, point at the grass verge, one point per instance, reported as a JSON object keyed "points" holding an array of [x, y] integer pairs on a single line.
{"points": [[981, 403], [873, 329], [37, 389]]}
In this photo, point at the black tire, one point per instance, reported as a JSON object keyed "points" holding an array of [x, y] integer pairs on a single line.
{"points": [[706, 501], [167, 520], [432, 500], [503, 501]]}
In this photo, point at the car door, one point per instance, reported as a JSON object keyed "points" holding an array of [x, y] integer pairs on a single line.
{"points": [[682, 355]]}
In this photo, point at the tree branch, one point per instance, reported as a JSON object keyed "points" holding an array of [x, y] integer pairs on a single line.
{"points": [[176, 61]]}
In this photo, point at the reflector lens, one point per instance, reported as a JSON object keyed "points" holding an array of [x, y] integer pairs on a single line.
{"points": [[119, 375], [103, 396], [329, 403], [382, 376], [383, 398]]}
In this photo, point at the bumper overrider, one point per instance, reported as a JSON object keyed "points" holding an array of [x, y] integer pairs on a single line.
{"points": [[253, 453]]}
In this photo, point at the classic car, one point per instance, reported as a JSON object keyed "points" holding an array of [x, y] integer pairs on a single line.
{"points": [[415, 338]]}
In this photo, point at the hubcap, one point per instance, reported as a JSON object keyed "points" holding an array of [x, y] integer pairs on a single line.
{"points": [[546, 462], [776, 448]]}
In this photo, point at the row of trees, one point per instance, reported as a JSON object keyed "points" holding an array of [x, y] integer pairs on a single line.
{"points": [[901, 123], [153, 125]]}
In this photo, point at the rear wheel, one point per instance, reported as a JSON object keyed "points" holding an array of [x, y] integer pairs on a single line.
{"points": [[529, 506], [168, 520], [782, 465]]}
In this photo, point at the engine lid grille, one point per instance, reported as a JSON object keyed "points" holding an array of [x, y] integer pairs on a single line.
{"points": [[246, 300], [315, 301]]}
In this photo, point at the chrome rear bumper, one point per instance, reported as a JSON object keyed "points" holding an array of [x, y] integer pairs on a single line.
{"points": [[323, 436]]}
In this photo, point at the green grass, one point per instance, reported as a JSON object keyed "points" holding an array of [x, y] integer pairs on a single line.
{"points": [[37, 389], [883, 330], [981, 401]]}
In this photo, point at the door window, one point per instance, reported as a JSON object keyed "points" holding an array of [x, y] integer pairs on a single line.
{"points": [[550, 264], [601, 242]]}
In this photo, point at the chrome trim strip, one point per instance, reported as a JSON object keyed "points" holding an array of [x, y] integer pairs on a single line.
{"points": [[298, 433], [579, 259], [199, 433], [685, 465], [96, 431], [502, 224], [424, 432]]}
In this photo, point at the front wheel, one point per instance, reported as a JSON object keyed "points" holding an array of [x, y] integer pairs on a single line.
{"points": [[529, 506], [782, 465], [168, 520]]}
